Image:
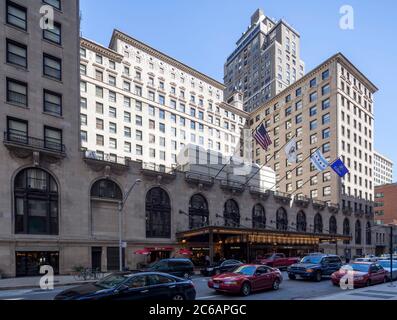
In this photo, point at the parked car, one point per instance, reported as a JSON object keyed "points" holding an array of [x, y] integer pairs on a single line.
{"points": [[225, 266], [246, 279], [176, 267], [366, 259], [315, 267], [364, 274], [133, 286], [386, 265], [277, 260]]}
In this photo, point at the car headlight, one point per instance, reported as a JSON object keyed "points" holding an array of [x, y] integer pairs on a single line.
{"points": [[309, 270]]}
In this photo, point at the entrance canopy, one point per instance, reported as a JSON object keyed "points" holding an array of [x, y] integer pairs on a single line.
{"points": [[255, 236]]}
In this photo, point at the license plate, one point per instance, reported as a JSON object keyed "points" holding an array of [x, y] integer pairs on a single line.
{"points": [[216, 285]]}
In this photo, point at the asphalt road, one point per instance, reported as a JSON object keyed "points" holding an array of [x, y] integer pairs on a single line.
{"points": [[289, 290]]}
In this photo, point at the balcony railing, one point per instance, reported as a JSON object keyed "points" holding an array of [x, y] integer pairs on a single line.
{"points": [[15, 138], [109, 158]]}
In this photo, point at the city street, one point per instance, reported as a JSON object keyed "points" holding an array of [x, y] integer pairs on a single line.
{"points": [[289, 290]]}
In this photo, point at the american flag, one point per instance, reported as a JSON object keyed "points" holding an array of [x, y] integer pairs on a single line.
{"points": [[262, 137]]}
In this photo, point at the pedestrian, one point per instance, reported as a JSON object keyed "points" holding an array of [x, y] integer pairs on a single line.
{"points": [[207, 261]]}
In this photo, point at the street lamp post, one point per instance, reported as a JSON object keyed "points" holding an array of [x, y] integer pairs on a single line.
{"points": [[120, 216]]}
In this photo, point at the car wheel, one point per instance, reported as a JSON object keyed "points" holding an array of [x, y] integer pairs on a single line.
{"points": [[292, 276], [246, 289], [178, 297], [276, 285], [319, 276]]}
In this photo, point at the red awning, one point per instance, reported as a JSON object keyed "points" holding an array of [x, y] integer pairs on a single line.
{"points": [[185, 252], [142, 252], [160, 249]]}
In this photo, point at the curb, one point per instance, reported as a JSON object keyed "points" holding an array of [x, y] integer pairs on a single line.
{"points": [[37, 287]]}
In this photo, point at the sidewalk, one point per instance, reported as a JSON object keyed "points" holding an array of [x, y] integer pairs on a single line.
{"points": [[379, 292], [34, 282]]}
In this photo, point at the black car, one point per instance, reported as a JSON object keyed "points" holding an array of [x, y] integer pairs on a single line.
{"points": [[176, 267], [314, 267], [225, 266], [130, 286]]}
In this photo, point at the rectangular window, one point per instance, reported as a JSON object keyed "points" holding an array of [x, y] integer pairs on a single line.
{"points": [[16, 15], [83, 103], [100, 140], [99, 108], [83, 136], [55, 3], [112, 128], [326, 89], [52, 67], [83, 119], [313, 125], [53, 138], [127, 132], [17, 92], [17, 54], [17, 130], [53, 34], [53, 103], [326, 104], [313, 97], [326, 118], [325, 75], [99, 124]]}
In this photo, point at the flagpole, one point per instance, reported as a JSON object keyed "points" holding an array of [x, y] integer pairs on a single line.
{"points": [[300, 163], [329, 165], [230, 159], [266, 162]]}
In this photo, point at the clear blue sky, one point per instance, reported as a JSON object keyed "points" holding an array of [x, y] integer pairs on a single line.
{"points": [[202, 33]]}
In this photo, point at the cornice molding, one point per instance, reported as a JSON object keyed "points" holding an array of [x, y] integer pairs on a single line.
{"points": [[101, 49], [161, 56]]}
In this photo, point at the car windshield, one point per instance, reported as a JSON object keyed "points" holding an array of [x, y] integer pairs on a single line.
{"points": [[386, 264], [311, 259], [247, 270], [111, 281], [359, 267], [268, 256]]}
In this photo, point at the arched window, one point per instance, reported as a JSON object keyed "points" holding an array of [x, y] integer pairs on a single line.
{"points": [[318, 224], [282, 220], [198, 212], [158, 214], [36, 203], [369, 233], [106, 189], [231, 214], [346, 229], [333, 225], [301, 224], [358, 232], [258, 217]]}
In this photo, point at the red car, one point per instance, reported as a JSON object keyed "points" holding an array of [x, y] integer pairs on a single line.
{"points": [[246, 279], [277, 260], [364, 274]]}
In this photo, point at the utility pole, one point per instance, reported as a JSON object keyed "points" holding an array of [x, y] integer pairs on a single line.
{"points": [[391, 256], [120, 216]]}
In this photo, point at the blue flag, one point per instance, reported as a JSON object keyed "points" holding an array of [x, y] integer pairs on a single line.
{"points": [[339, 167]]}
